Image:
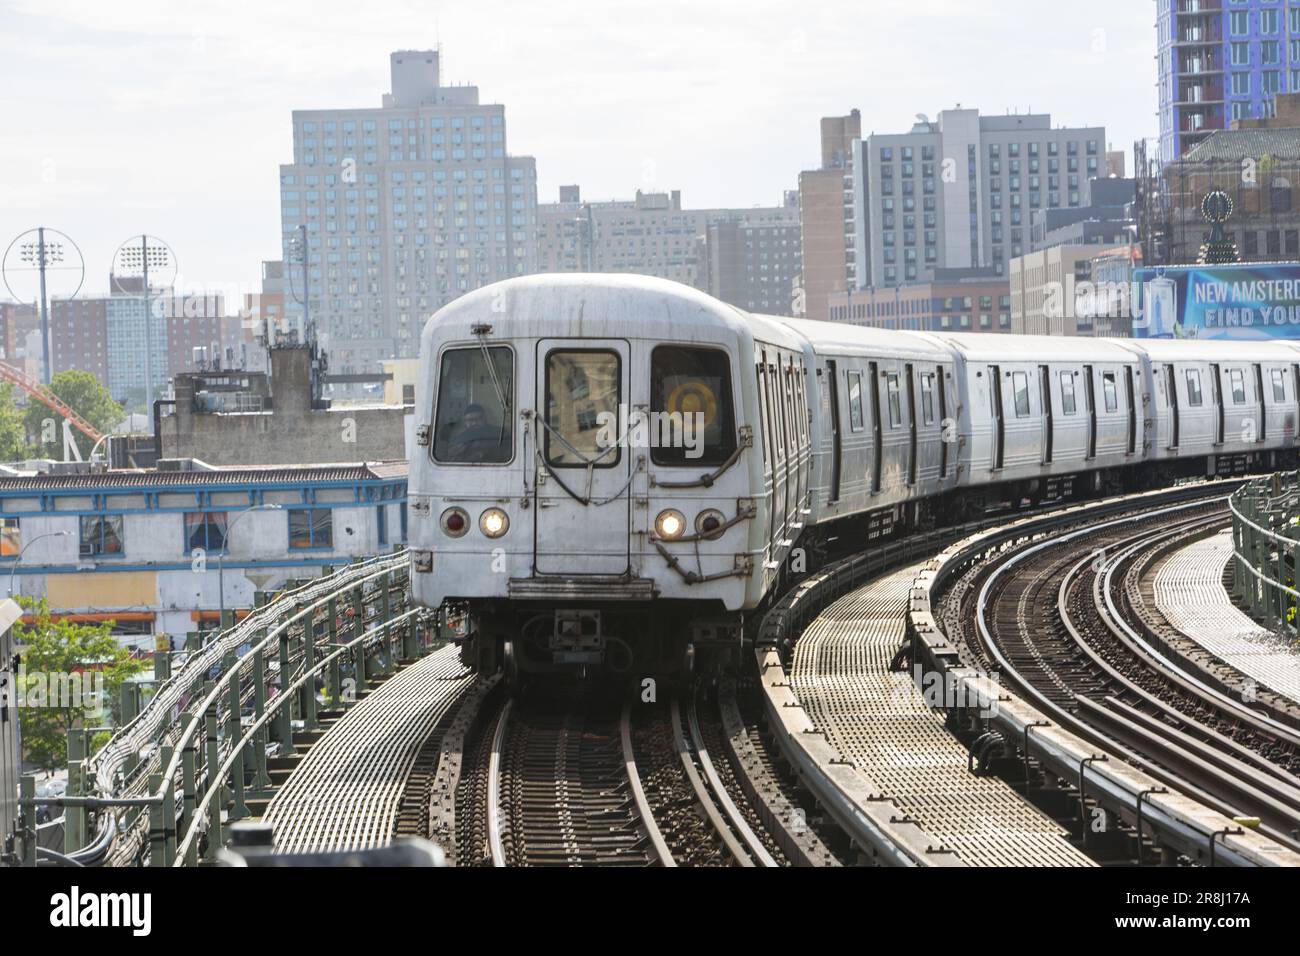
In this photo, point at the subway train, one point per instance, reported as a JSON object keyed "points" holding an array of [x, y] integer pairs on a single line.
{"points": [[614, 471]]}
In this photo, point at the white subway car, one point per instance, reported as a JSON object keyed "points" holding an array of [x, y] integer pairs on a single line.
{"points": [[615, 470]]}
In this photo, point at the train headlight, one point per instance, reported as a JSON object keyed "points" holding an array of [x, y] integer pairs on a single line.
{"points": [[494, 522], [455, 522], [708, 524], [670, 524]]}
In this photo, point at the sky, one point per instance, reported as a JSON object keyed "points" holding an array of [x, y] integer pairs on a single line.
{"points": [[172, 117]]}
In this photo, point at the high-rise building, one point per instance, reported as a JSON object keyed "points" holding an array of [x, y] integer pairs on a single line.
{"points": [[406, 207], [753, 262], [1221, 60], [826, 217], [653, 235], [959, 191], [79, 336]]}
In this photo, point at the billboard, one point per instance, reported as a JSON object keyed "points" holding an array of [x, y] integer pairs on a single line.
{"points": [[1249, 301]]}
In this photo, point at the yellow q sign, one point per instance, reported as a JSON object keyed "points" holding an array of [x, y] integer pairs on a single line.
{"points": [[694, 398]]}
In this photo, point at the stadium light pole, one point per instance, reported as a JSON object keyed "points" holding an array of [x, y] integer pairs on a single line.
{"points": [[44, 255], [139, 254]]}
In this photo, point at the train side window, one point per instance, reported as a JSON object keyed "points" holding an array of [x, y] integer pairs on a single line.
{"points": [[1020, 388], [856, 418], [1193, 387], [782, 408], [801, 402], [693, 382], [895, 399], [1110, 391], [1279, 385], [927, 398], [773, 406], [1067, 393], [1238, 381], [474, 421]]}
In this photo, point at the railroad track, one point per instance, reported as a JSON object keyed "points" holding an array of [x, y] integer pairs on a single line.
{"points": [[564, 790], [587, 781], [1045, 616]]}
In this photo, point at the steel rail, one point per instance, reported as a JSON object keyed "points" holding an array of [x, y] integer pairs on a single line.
{"points": [[702, 795], [1104, 589], [496, 846], [753, 845], [648, 824]]}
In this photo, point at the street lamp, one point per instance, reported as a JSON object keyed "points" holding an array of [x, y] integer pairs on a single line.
{"points": [[17, 560], [221, 559]]}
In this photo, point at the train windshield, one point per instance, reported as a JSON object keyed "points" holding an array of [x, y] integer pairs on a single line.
{"points": [[582, 396], [692, 421], [475, 418]]}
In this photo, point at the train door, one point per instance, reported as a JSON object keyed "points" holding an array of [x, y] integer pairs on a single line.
{"points": [[783, 416], [995, 415], [769, 445], [793, 386], [911, 424], [1130, 393], [1171, 387], [1216, 388], [944, 436], [1263, 406], [1090, 406], [1045, 377], [833, 399], [1294, 420], [583, 522], [877, 434]]}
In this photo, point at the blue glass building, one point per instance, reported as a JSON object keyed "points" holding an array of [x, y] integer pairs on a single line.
{"points": [[1221, 60]]}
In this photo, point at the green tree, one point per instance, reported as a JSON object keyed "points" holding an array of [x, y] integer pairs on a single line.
{"points": [[81, 392], [13, 434], [70, 677]]}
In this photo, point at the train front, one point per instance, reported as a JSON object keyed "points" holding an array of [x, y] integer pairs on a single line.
{"points": [[585, 497]]}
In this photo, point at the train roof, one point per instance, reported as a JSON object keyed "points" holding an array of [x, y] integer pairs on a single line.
{"points": [[601, 305], [1216, 350], [845, 338], [1011, 347]]}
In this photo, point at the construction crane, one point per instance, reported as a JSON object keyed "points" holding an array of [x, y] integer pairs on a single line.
{"points": [[47, 398]]}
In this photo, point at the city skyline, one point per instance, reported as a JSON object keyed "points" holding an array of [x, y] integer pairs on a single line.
{"points": [[219, 209]]}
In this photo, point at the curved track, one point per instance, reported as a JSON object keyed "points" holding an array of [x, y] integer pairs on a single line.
{"points": [[1045, 616]]}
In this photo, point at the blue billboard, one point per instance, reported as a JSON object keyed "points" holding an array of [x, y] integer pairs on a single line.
{"points": [[1249, 301]]}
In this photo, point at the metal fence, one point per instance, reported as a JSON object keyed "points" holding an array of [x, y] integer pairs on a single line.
{"points": [[1266, 548], [166, 786]]}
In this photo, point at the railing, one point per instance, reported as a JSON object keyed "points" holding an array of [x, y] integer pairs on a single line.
{"points": [[1266, 548], [203, 744]]}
